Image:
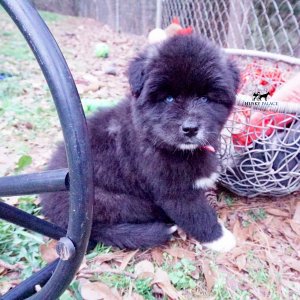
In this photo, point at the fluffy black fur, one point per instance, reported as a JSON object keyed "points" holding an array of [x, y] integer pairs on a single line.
{"points": [[143, 180]]}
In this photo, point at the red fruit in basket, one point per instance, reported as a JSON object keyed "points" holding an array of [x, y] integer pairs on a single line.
{"points": [[264, 123], [260, 124], [272, 90], [263, 82]]}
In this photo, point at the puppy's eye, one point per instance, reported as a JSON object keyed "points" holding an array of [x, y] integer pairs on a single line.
{"points": [[169, 99], [202, 99]]}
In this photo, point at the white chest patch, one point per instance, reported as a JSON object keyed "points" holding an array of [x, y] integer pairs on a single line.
{"points": [[206, 182]]}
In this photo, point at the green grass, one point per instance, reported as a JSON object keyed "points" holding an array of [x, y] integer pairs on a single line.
{"points": [[220, 290], [253, 216], [99, 249], [180, 275], [260, 276], [14, 46], [17, 50], [118, 281], [22, 100], [228, 200], [49, 17], [23, 162], [18, 245], [257, 214], [39, 113], [10, 88], [143, 288]]}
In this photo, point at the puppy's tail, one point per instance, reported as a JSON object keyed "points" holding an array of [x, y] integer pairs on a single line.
{"points": [[132, 236]]}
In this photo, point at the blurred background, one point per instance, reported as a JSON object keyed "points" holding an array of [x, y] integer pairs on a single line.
{"points": [[269, 25]]}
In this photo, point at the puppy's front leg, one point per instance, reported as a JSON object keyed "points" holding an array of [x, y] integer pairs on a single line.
{"points": [[194, 215]]}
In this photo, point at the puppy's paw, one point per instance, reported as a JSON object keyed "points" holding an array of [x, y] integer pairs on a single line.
{"points": [[173, 229], [223, 244]]}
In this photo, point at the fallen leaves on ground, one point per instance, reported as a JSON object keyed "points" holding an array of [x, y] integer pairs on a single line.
{"points": [[97, 291], [48, 251], [162, 280], [209, 275], [178, 252], [144, 269], [266, 246]]}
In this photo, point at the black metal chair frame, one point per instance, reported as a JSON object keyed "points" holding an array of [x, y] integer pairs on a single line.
{"points": [[78, 178]]}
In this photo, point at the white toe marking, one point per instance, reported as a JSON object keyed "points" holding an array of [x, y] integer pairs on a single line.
{"points": [[225, 243], [173, 229], [206, 182], [188, 146]]}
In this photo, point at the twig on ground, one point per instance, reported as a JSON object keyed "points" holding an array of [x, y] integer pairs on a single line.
{"points": [[101, 271], [9, 266]]}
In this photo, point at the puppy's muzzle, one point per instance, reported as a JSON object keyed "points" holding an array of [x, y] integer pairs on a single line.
{"points": [[189, 128]]}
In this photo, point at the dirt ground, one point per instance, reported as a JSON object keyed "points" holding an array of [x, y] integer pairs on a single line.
{"points": [[264, 265]]}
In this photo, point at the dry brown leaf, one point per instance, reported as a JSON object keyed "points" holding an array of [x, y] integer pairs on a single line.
{"points": [[223, 215], [13, 200], [181, 253], [7, 266], [144, 269], [268, 220], [272, 258], [277, 212], [296, 216], [241, 262], [237, 251], [239, 232], [2, 271], [182, 234], [204, 298], [292, 263], [83, 264], [286, 230], [48, 251], [162, 280], [251, 231], [5, 286], [133, 296], [97, 291], [295, 226], [157, 256], [195, 274], [209, 275], [261, 237], [127, 259], [292, 285], [118, 256]]}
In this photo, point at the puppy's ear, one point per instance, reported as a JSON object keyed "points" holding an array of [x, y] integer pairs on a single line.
{"points": [[235, 73], [136, 75]]}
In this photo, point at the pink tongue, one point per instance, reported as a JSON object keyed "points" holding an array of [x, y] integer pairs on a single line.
{"points": [[209, 148]]}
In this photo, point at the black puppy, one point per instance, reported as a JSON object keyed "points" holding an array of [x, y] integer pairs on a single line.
{"points": [[152, 153]]}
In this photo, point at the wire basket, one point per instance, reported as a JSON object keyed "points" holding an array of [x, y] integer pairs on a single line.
{"points": [[260, 144]]}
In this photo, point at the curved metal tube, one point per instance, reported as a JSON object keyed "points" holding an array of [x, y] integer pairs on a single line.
{"points": [[265, 55], [75, 133]]}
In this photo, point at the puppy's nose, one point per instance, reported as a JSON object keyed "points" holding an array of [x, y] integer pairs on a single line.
{"points": [[189, 129]]}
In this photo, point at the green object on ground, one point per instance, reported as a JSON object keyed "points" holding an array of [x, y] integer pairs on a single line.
{"points": [[90, 105], [101, 50]]}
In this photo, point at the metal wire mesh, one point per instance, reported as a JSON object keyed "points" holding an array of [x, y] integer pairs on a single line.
{"points": [[260, 150], [265, 25]]}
